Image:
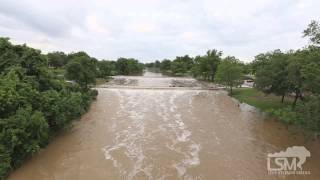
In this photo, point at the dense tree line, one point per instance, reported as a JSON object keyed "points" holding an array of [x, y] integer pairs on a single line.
{"points": [[34, 102], [40, 94], [94, 67], [228, 70], [125, 66], [294, 73], [202, 67]]}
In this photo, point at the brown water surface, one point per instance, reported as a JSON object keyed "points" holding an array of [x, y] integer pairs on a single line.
{"points": [[159, 132]]}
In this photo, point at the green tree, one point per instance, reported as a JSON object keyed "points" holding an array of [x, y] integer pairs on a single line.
{"points": [[246, 68], [57, 59], [205, 67], [213, 59], [178, 67], [313, 32], [295, 78], [308, 113], [34, 103], [181, 65], [157, 64], [272, 73], [229, 73], [201, 69], [5, 160], [260, 61], [129, 66], [310, 74], [23, 134], [311, 69], [165, 65], [83, 70], [30, 60], [106, 68]]}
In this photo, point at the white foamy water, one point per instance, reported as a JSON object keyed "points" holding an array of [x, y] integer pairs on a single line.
{"points": [[135, 140], [157, 131]]}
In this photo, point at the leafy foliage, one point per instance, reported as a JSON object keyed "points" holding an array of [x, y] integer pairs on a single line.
{"points": [[294, 73], [308, 113], [106, 68], [5, 161], [276, 73], [34, 103], [203, 67], [272, 73], [57, 59], [82, 69], [229, 73], [313, 31], [129, 66], [305, 115], [165, 65]]}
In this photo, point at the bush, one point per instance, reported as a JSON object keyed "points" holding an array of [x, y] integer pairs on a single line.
{"points": [[34, 104], [285, 115], [305, 115], [308, 114], [23, 134], [5, 161]]}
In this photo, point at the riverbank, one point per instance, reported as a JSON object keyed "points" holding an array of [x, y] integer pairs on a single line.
{"points": [[260, 100], [152, 130], [297, 121]]}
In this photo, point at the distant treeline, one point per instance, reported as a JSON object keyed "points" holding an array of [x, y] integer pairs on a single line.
{"points": [[210, 67], [41, 94], [102, 68], [294, 73], [201, 67]]}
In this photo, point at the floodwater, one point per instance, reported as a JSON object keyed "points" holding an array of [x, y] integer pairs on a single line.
{"points": [[153, 127]]}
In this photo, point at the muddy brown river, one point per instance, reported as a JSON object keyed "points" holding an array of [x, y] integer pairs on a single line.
{"points": [[155, 127]]}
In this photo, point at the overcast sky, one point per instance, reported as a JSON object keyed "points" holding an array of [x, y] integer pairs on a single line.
{"points": [[158, 29]]}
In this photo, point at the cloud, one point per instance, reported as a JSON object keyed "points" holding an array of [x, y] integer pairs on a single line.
{"points": [[39, 19], [94, 24], [158, 29], [144, 28]]}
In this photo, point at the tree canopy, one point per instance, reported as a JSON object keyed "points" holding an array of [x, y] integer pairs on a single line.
{"points": [[34, 103], [82, 69], [229, 72], [313, 32]]}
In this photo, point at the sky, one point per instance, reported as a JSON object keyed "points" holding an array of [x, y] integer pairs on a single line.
{"points": [[151, 30]]}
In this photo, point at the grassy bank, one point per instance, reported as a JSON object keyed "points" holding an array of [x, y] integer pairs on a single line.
{"points": [[259, 100], [303, 119]]}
